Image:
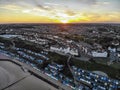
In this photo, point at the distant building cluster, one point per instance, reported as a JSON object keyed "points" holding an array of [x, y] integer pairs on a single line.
{"points": [[66, 50], [98, 41]]}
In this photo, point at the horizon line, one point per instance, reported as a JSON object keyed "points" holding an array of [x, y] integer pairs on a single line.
{"points": [[65, 23]]}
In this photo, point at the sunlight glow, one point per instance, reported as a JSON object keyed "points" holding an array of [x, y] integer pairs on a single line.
{"points": [[64, 21], [46, 13]]}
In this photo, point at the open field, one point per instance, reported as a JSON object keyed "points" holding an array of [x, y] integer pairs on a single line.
{"points": [[112, 71], [104, 61]]}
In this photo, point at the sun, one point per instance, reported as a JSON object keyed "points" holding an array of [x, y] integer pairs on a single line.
{"points": [[63, 17], [64, 21]]}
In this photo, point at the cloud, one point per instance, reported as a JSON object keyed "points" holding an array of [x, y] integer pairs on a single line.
{"points": [[70, 12], [53, 4], [26, 11], [43, 7], [10, 7], [22, 4], [90, 2]]}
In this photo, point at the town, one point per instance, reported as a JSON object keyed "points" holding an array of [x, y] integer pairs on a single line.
{"points": [[80, 56]]}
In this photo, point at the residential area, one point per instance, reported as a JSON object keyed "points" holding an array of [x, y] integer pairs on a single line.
{"points": [[82, 57]]}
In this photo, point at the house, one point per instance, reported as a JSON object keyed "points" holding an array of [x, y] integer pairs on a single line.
{"points": [[118, 50], [112, 49], [66, 50], [115, 43], [114, 53], [99, 54]]}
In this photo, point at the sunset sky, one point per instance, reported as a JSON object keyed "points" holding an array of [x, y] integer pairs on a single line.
{"points": [[59, 11]]}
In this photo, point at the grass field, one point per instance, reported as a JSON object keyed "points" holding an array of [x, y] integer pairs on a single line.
{"points": [[98, 64], [112, 71], [104, 61]]}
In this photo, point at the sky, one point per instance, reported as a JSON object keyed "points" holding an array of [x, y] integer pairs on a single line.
{"points": [[59, 11]]}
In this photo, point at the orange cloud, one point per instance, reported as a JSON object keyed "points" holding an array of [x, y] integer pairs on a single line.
{"points": [[14, 13]]}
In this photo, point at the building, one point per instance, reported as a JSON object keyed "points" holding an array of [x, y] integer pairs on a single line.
{"points": [[114, 53], [99, 54], [66, 50]]}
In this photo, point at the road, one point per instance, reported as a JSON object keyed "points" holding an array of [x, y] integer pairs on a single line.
{"points": [[77, 83], [74, 77]]}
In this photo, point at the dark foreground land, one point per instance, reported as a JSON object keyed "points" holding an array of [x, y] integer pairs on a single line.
{"points": [[18, 76], [12, 77], [32, 45], [99, 64]]}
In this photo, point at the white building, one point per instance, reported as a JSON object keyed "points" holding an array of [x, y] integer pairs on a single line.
{"points": [[99, 54], [67, 50], [112, 49]]}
